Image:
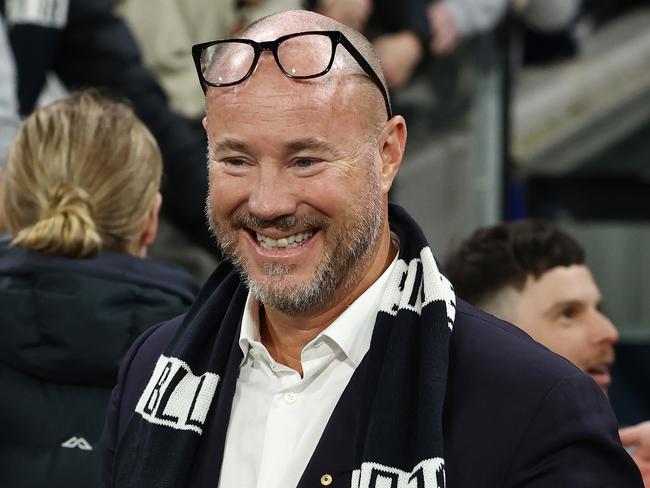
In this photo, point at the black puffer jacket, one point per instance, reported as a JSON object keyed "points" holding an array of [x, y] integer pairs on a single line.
{"points": [[64, 327]]}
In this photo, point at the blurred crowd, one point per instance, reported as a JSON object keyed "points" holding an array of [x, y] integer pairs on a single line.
{"points": [[140, 50]]}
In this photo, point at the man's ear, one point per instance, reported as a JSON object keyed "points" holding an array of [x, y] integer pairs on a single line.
{"points": [[150, 229], [392, 142]]}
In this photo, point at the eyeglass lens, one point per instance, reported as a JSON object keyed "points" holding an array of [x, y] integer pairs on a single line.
{"points": [[307, 55], [227, 62], [301, 56]]}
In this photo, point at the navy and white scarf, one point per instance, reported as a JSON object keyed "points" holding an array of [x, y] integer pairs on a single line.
{"points": [[386, 430]]}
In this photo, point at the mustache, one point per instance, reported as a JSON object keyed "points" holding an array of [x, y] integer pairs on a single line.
{"points": [[607, 356], [241, 219]]}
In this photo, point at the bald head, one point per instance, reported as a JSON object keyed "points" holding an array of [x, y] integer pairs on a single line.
{"points": [[367, 98], [283, 23]]}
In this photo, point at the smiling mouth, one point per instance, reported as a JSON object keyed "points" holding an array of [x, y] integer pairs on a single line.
{"points": [[599, 369], [287, 242], [600, 374]]}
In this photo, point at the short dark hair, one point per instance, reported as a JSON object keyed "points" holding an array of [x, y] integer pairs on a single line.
{"points": [[502, 255]]}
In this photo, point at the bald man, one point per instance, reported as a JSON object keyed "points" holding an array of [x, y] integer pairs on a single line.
{"points": [[329, 350]]}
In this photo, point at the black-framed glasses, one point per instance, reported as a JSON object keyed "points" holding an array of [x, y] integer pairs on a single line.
{"points": [[302, 55]]}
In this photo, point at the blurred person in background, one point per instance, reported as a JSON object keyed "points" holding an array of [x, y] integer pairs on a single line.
{"points": [[8, 113], [8, 128], [165, 30], [86, 45], [81, 200], [399, 31], [535, 276], [454, 20], [548, 29]]}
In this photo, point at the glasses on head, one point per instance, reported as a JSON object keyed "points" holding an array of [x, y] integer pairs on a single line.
{"points": [[302, 56]]}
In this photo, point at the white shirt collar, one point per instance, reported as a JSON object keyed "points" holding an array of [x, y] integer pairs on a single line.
{"points": [[351, 331]]}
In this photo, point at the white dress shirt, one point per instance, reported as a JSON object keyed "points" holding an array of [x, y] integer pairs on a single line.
{"points": [[278, 417]]}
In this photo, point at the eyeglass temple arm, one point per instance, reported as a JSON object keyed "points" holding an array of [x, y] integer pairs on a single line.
{"points": [[369, 71], [196, 55]]}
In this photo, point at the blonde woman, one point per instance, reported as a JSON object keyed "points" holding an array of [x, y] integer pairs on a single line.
{"points": [[81, 202]]}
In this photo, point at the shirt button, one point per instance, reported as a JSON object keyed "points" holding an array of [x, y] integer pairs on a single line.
{"points": [[290, 397], [326, 480]]}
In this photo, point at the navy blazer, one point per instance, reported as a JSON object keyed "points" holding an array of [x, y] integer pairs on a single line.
{"points": [[516, 414]]}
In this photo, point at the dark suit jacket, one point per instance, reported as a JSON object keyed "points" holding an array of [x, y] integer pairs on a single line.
{"points": [[516, 414]]}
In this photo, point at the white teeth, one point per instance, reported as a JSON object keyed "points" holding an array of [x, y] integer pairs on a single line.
{"points": [[289, 241]]}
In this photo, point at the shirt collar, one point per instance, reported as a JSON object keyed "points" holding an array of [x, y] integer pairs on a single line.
{"points": [[249, 335], [351, 331]]}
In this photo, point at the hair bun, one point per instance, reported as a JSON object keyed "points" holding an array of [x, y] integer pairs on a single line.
{"points": [[67, 199], [65, 227], [81, 177]]}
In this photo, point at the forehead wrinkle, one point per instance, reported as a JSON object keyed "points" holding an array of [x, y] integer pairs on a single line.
{"points": [[294, 146], [260, 98], [309, 143], [264, 110]]}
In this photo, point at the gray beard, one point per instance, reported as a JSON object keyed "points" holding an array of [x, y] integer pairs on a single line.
{"points": [[339, 270]]}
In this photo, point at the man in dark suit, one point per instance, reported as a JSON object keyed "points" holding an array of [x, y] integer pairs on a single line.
{"points": [[535, 275], [330, 350]]}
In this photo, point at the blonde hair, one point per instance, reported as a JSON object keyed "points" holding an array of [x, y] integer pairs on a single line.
{"points": [[81, 176]]}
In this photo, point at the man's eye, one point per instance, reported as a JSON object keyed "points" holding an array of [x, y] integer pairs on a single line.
{"points": [[305, 162], [235, 161], [569, 313]]}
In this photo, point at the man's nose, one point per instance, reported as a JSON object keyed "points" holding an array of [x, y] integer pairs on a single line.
{"points": [[272, 195], [605, 331]]}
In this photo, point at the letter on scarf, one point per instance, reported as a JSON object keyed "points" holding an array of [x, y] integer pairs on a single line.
{"points": [[429, 473], [175, 397], [419, 283]]}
